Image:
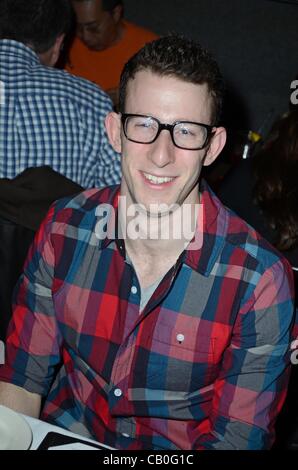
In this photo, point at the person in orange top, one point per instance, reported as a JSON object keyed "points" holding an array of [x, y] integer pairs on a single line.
{"points": [[104, 43]]}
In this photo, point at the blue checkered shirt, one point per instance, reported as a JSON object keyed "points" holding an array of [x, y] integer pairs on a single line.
{"points": [[49, 117]]}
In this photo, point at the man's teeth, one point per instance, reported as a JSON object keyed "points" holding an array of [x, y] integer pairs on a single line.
{"points": [[157, 179]]}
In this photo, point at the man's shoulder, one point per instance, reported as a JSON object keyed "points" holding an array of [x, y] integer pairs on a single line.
{"points": [[235, 236], [66, 85], [139, 32], [83, 207], [246, 239], [22, 74]]}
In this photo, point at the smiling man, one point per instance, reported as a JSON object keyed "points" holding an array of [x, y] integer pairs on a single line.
{"points": [[104, 43], [147, 341]]}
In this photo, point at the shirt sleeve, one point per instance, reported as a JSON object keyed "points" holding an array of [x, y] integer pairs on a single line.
{"points": [[251, 388], [33, 340]]}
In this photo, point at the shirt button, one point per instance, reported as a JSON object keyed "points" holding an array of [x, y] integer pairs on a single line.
{"points": [[180, 337], [124, 434], [133, 290], [117, 392]]}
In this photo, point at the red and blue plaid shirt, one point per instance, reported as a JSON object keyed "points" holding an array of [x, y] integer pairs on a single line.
{"points": [[204, 365]]}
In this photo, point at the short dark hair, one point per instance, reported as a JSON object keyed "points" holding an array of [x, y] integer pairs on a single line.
{"points": [[37, 23], [107, 5], [180, 57], [275, 191]]}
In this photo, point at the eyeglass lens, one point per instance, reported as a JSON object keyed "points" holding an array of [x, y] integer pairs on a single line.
{"points": [[185, 134]]}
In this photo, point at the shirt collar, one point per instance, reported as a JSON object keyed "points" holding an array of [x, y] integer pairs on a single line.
{"points": [[210, 233], [111, 227], [15, 50]]}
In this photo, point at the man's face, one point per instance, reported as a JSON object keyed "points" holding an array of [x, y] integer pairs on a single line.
{"points": [[161, 173], [96, 28]]}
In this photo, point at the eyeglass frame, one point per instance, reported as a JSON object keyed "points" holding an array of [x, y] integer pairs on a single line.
{"points": [[169, 127]]}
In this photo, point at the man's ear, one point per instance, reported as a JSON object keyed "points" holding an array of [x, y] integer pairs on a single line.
{"points": [[117, 13], [57, 49], [113, 127], [51, 56], [216, 145]]}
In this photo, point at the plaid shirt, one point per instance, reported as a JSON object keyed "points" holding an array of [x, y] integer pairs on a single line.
{"points": [[49, 117], [204, 365]]}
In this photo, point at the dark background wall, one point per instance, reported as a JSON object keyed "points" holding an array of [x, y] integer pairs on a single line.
{"points": [[254, 41]]}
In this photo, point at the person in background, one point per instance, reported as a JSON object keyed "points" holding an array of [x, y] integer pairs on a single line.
{"points": [[24, 202], [263, 190], [149, 316], [47, 116], [104, 43]]}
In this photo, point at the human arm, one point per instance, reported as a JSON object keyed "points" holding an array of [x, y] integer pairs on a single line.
{"points": [[20, 400], [32, 344], [251, 387]]}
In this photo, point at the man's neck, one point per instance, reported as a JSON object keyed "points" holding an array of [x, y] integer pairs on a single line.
{"points": [[156, 235], [155, 249], [119, 33], [154, 243]]}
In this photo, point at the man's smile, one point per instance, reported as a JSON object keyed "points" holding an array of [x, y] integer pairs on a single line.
{"points": [[157, 179]]}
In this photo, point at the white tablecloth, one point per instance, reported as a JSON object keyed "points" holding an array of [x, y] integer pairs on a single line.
{"points": [[40, 429]]}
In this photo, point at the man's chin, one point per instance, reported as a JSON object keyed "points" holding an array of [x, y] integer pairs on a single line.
{"points": [[161, 209]]}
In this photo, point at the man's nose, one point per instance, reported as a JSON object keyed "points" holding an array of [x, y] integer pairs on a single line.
{"points": [[163, 150], [85, 35]]}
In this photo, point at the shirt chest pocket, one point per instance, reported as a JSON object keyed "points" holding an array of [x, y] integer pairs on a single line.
{"points": [[180, 359]]}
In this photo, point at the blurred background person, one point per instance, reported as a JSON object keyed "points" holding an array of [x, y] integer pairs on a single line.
{"points": [[104, 42], [48, 116], [52, 134], [263, 190]]}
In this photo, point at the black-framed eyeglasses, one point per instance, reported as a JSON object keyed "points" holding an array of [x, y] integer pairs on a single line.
{"points": [[185, 135]]}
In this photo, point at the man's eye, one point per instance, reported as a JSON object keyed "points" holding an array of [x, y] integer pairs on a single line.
{"points": [[185, 131], [94, 29], [142, 124], [147, 124]]}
